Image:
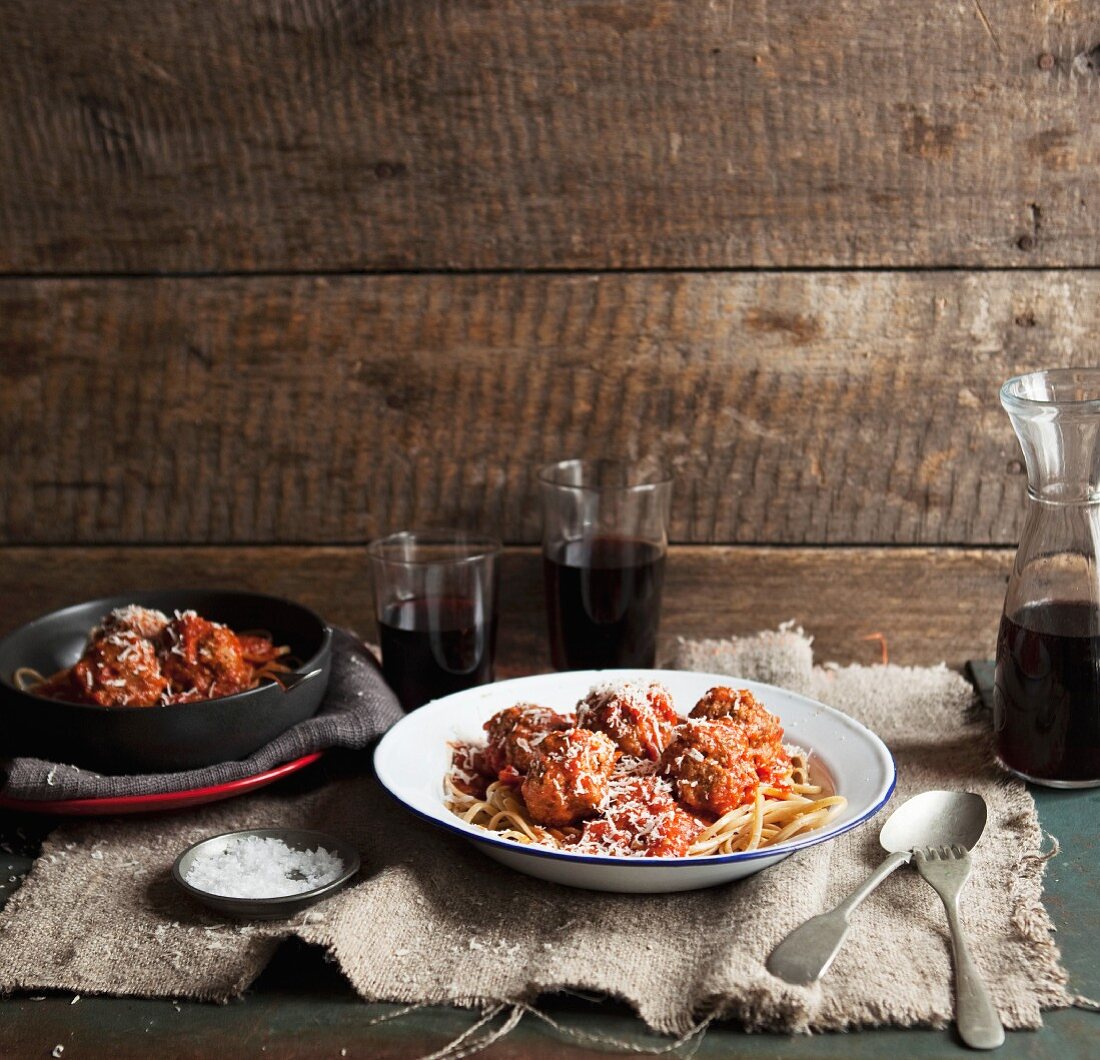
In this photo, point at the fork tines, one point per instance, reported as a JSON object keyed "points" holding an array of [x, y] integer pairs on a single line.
{"points": [[952, 853]]}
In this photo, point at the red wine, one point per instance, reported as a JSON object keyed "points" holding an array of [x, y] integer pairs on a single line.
{"points": [[603, 602], [1046, 698], [433, 647]]}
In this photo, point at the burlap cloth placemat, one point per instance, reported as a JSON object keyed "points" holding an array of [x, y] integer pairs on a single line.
{"points": [[435, 921]]}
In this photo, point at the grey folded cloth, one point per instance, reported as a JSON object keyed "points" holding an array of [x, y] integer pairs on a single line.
{"points": [[358, 707]]}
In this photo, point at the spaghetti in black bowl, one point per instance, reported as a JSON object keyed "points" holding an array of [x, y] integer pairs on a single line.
{"points": [[179, 726]]}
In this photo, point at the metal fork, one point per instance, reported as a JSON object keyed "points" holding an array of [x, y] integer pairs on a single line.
{"points": [[947, 870]]}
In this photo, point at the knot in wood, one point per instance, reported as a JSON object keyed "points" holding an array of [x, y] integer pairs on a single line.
{"points": [[388, 170], [1088, 62]]}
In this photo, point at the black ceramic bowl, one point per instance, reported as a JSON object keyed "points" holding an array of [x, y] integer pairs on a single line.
{"points": [[160, 739]]}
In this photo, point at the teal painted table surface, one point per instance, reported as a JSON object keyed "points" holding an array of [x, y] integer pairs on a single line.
{"points": [[301, 1006]]}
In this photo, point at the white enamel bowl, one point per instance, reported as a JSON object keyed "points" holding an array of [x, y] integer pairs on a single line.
{"points": [[413, 757]]}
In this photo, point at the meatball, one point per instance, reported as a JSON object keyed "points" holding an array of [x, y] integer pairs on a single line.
{"points": [[516, 732], [762, 732], [742, 707], [569, 777], [146, 622], [710, 766], [203, 658], [638, 717], [120, 669], [641, 819]]}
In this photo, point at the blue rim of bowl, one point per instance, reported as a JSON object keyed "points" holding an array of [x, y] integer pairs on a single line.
{"points": [[779, 851], [312, 663], [278, 900]]}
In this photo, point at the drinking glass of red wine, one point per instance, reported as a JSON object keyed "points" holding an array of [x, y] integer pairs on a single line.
{"points": [[604, 542], [435, 597]]}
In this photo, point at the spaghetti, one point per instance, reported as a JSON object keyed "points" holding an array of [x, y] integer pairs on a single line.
{"points": [[139, 657], [718, 782]]}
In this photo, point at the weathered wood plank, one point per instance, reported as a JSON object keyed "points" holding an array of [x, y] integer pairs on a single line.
{"points": [[798, 408], [374, 134], [931, 605]]}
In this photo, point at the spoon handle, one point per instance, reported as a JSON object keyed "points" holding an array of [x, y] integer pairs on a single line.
{"points": [[806, 953], [293, 680]]}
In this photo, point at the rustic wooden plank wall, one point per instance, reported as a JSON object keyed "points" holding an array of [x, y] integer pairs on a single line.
{"points": [[800, 408], [291, 273], [461, 134], [928, 604]]}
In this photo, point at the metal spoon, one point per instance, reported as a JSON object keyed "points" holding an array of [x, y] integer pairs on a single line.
{"points": [[931, 819], [291, 680]]}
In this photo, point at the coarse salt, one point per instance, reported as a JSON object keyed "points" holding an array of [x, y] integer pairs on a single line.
{"points": [[251, 867]]}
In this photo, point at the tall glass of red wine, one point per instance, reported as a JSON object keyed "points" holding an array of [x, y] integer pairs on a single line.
{"points": [[435, 597], [604, 542]]}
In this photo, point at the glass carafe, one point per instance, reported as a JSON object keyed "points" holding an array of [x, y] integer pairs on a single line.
{"points": [[1046, 704]]}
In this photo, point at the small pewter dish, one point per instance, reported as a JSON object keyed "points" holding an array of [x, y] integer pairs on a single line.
{"points": [[280, 907]]}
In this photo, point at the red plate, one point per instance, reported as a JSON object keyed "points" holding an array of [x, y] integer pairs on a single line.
{"points": [[173, 800]]}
